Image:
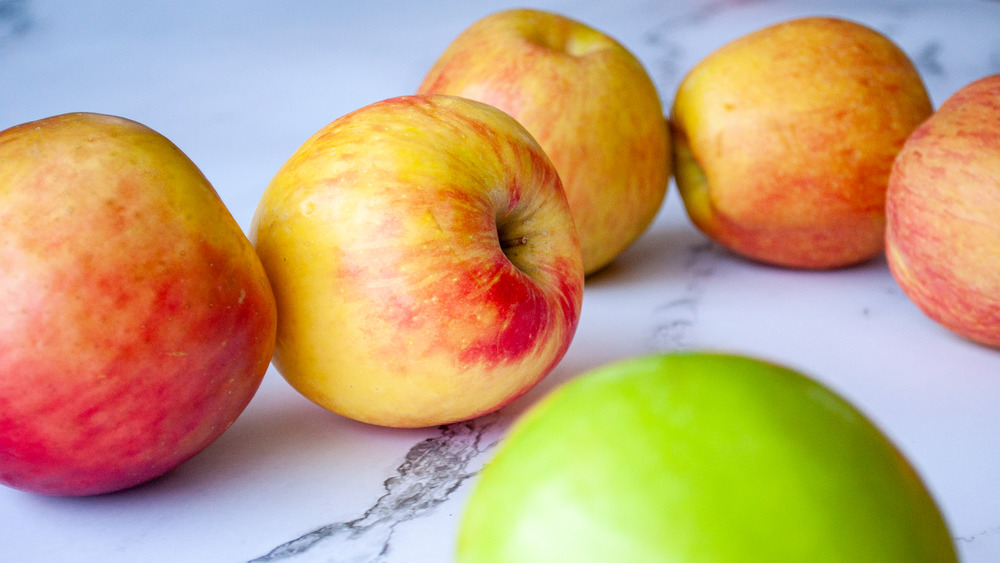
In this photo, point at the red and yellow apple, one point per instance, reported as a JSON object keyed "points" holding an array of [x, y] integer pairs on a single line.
{"points": [[588, 102], [137, 320], [699, 457], [943, 211], [784, 140], [424, 261]]}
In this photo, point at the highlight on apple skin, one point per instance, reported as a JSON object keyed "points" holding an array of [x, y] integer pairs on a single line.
{"points": [[943, 210], [588, 102], [693, 457], [424, 261], [138, 322], [784, 139]]}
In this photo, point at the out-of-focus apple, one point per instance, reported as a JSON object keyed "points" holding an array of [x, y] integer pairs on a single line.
{"points": [[943, 211], [784, 140], [424, 262], [137, 320], [699, 457], [590, 104]]}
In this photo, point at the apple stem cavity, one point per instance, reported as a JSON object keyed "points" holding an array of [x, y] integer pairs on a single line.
{"points": [[511, 248], [568, 38], [511, 243]]}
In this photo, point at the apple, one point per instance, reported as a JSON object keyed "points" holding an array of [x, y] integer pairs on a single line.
{"points": [[424, 262], [137, 320], [785, 137], [943, 211], [588, 102], [699, 457]]}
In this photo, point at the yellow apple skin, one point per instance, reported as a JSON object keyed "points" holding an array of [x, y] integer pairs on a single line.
{"points": [[588, 102], [784, 140], [424, 261], [137, 320], [943, 211]]}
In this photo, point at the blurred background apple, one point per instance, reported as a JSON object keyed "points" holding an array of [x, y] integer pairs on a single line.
{"points": [[784, 139], [943, 209], [590, 104]]}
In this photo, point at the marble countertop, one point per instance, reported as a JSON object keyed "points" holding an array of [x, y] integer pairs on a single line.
{"points": [[239, 86]]}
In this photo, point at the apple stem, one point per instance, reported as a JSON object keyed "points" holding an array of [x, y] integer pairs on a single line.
{"points": [[510, 243]]}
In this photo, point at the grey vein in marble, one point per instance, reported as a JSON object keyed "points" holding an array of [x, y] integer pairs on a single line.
{"points": [[928, 59], [14, 19], [431, 471], [972, 538], [676, 320]]}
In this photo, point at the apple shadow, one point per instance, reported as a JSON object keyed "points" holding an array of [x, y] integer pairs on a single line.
{"points": [[659, 253], [277, 426], [288, 429], [664, 252]]}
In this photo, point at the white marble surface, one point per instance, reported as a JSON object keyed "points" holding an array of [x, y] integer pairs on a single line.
{"points": [[238, 86]]}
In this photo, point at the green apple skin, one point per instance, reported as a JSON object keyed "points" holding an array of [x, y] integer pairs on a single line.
{"points": [[699, 457], [137, 320], [785, 137], [943, 211]]}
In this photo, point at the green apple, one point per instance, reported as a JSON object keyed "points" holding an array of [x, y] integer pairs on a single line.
{"points": [[137, 320], [699, 457], [590, 104], [784, 139], [424, 262], [943, 210]]}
